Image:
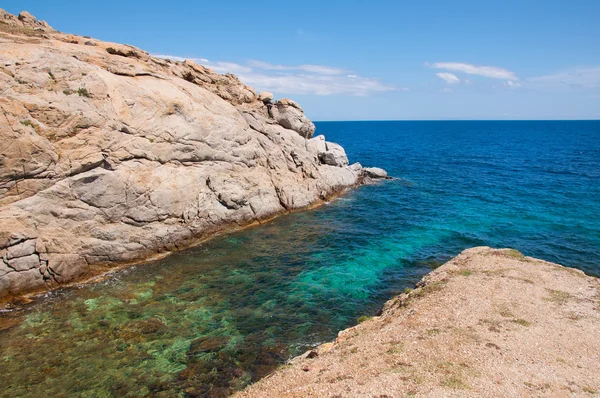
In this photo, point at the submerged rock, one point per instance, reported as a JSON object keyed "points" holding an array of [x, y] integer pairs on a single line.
{"points": [[112, 155]]}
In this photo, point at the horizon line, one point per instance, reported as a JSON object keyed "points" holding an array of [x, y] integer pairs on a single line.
{"points": [[457, 120]]}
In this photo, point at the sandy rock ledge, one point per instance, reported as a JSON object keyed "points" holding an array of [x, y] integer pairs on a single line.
{"points": [[489, 323]]}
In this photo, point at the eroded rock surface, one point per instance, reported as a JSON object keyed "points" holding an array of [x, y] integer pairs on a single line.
{"points": [[111, 155]]}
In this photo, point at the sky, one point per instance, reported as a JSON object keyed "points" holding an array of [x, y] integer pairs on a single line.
{"points": [[371, 60]]}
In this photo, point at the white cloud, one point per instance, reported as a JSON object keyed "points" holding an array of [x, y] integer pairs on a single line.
{"points": [[296, 79], [180, 59], [315, 84], [219, 67], [448, 77], [511, 84], [323, 70], [580, 77], [493, 72], [319, 69]]}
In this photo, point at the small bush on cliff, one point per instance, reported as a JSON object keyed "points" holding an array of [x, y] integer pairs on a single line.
{"points": [[82, 91]]}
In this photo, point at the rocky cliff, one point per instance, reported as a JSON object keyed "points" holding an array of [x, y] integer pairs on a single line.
{"points": [[110, 155]]}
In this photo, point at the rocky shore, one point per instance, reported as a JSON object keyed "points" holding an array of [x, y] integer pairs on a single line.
{"points": [[489, 323], [110, 155]]}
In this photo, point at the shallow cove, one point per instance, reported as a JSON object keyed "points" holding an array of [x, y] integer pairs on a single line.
{"points": [[211, 319]]}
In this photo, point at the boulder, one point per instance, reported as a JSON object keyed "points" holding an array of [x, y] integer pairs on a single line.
{"points": [[265, 96], [334, 155], [356, 167], [375, 172], [290, 115]]}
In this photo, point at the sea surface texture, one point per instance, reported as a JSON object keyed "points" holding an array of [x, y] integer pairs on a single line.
{"points": [[209, 320]]}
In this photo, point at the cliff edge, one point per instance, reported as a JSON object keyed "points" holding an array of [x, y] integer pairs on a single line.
{"points": [[110, 155], [489, 323]]}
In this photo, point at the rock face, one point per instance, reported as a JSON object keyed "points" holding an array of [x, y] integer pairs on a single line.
{"points": [[111, 155]]}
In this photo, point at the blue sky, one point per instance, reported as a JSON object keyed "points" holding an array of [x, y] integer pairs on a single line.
{"points": [[362, 60]]}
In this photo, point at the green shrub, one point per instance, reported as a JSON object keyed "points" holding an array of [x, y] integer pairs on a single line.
{"points": [[82, 91]]}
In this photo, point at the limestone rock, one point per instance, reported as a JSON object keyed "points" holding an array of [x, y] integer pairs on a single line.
{"points": [[290, 115], [111, 155], [375, 172]]}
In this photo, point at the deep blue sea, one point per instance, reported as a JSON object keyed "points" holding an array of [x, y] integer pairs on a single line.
{"points": [[212, 319]]}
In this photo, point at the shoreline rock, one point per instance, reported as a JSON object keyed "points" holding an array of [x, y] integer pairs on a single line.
{"points": [[112, 156], [487, 323]]}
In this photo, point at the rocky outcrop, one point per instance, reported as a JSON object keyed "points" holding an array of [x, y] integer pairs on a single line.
{"points": [[109, 155], [375, 172], [24, 20], [489, 323], [289, 115]]}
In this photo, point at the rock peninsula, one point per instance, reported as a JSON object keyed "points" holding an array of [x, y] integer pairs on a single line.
{"points": [[110, 155], [489, 323]]}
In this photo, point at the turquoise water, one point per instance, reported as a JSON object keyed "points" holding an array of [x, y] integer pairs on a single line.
{"points": [[210, 320]]}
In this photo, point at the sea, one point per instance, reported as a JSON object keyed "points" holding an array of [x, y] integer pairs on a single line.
{"points": [[210, 320]]}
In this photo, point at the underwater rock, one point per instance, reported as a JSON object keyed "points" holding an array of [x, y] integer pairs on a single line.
{"points": [[207, 344]]}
